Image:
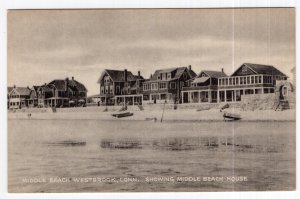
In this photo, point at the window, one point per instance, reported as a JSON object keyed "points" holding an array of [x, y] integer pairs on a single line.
{"points": [[248, 80], [169, 75], [173, 85], [154, 86], [162, 86], [242, 80], [230, 81], [237, 80], [252, 79], [259, 79], [118, 89]]}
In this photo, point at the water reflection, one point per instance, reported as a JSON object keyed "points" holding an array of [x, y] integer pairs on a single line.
{"points": [[239, 144]]}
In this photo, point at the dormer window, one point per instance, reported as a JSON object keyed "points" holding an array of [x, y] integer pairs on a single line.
{"points": [[169, 75]]}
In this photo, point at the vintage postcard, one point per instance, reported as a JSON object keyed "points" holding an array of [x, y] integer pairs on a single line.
{"points": [[151, 100]]}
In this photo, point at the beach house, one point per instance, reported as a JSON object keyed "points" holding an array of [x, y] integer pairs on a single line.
{"points": [[120, 87], [165, 85], [249, 79], [18, 97], [62, 93], [203, 88]]}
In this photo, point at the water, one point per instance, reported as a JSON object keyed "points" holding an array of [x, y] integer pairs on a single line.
{"points": [[51, 155]]}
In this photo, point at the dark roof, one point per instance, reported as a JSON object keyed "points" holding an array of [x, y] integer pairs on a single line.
{"points": [[35, 88], [214, 74], [118, 75], [179, 72], [262, 69], [60, 84], [9, 89], [45, 88], [77, 85]]}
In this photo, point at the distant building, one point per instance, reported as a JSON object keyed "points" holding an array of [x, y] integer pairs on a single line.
{"points": [[165, 85], [203, 88], [62, 93], [18, 97], [119, 87], [248, 79]]}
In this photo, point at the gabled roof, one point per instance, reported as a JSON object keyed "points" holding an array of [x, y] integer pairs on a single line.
{"points": [[118, 75], [22, 90], [77, 85], [61, 85], [179, 71], [35, 88], [45, 88], [262, 69], [213, 74]]}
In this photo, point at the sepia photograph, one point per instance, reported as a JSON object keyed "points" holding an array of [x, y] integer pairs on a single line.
{"points": [[151, 100]]}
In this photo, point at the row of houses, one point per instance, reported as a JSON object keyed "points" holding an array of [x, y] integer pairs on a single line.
{"points": [[183, 85], [58, 93]]}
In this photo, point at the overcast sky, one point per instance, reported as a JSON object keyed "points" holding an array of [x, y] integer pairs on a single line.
{"points": [[50, 44]]}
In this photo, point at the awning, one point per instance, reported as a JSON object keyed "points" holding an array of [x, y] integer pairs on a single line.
{"points": [[200, 80]]}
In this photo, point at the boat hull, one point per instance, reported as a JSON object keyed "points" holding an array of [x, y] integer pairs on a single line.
{"points": [[119, 115]]}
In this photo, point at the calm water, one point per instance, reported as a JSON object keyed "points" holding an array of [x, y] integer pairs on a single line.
{"points": [[52, 155]]}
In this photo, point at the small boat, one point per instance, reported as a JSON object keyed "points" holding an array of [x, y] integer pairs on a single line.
{"points": [[231, 116], [124, 114]]}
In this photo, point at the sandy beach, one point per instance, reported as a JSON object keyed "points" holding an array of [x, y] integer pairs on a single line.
{"points": [[97, 113]]}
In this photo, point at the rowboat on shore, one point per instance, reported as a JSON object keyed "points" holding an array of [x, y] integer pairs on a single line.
{"points": [[123, 114], [231, 116]]}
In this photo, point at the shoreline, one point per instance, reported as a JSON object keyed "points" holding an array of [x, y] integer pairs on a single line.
{"points": [[179, 115]]}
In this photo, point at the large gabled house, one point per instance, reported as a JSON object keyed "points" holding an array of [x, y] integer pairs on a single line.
{"points": [[120, 87], [62, 93], [18, 97], [165, 85], [203, 88], [249, 79]]}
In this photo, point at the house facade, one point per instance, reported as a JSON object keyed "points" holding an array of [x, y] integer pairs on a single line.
{"points": [[18, 97], [249, 79], [166, 85], [120, 87], [62, 93], [203, 88]]}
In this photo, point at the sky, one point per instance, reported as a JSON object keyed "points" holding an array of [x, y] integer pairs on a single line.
{"points": [[54, 44]]}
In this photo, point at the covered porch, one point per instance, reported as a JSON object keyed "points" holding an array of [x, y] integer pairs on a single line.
{"points": [[197, 96], [234, 95], [128, 99]]}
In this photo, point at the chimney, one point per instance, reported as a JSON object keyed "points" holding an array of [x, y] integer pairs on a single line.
{"points": [[151, 76], [190, 67], [45, 84], [72, 78], [139, 74], [14, 86], [222, 70], [67, 83], [125, 75]]}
